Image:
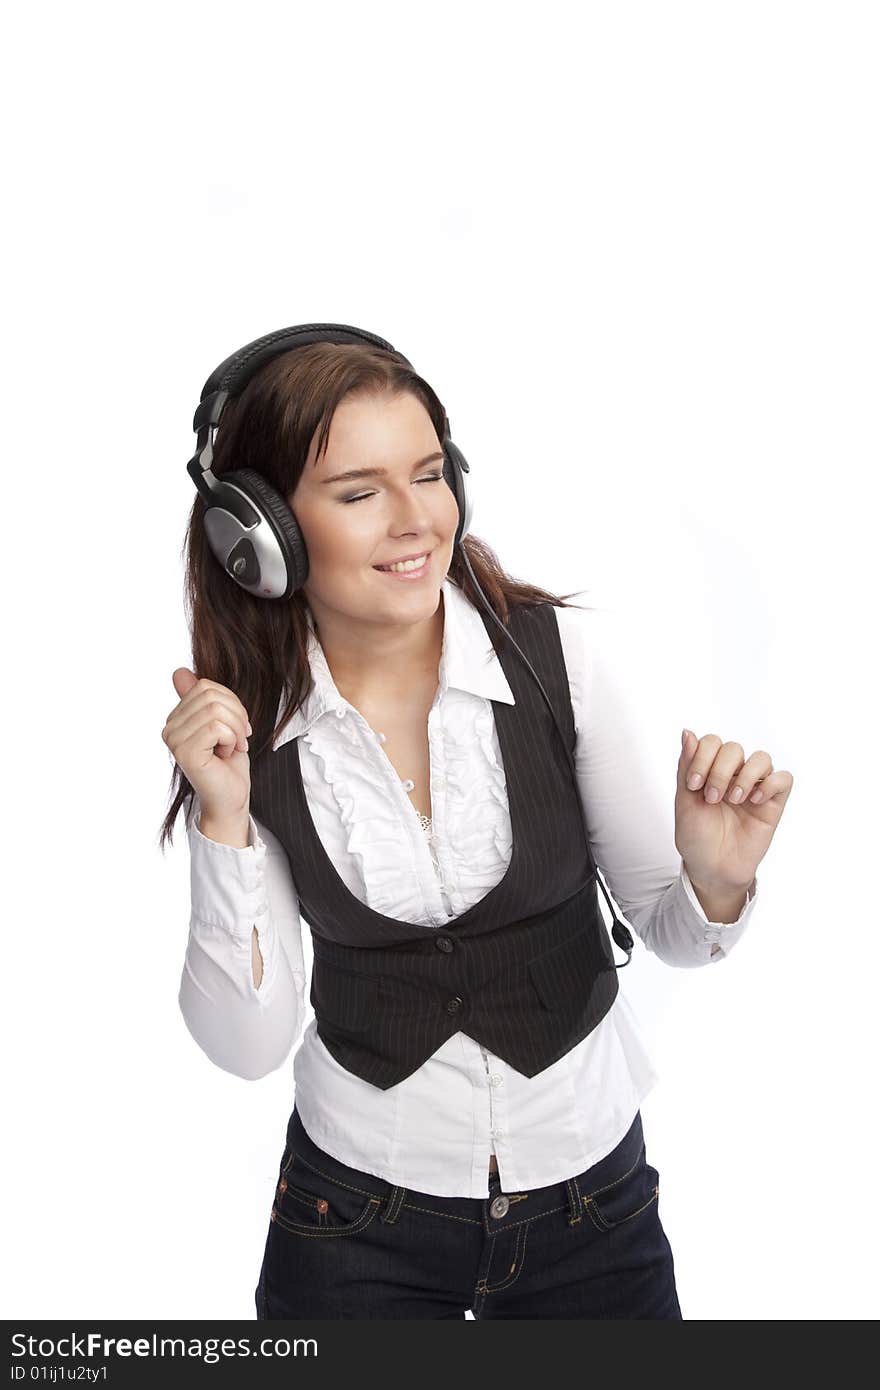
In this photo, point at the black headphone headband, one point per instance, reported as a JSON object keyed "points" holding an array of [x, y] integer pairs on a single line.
{"points": [[255, 536], [235, 372]]}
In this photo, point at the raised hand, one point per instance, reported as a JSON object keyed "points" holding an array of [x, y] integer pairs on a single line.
{"points": [[207, 734], [727, 808]]}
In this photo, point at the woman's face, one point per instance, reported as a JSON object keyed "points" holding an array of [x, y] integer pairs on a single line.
{"points": [[405, 508]]}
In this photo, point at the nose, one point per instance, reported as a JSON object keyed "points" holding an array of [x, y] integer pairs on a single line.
{"points": [[411, 511]]}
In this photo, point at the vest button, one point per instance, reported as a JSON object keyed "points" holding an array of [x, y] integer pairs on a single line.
{"points": [[499, 1206], [444, 943], [453, 1005]]}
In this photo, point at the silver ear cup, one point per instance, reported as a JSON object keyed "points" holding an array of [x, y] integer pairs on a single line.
{"points": [[255, 536]]}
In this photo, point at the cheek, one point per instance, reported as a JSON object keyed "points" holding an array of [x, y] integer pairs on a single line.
{"points": [[336, 534]]}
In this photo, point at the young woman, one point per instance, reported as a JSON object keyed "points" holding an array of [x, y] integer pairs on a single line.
{"points": [[371, 755]]}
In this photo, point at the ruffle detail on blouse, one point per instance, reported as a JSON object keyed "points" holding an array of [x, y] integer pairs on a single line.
{"points": [[476, 792], [378, 841]]}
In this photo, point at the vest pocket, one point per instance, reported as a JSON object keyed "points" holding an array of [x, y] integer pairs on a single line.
{"points": [[565, 971], [344, 998]]}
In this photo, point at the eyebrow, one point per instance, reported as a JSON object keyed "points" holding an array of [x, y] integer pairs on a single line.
{"points": [[377, 472]]}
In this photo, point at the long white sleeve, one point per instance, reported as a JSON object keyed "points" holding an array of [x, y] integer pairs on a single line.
{"points": [[630, 811], [243, 1029]]}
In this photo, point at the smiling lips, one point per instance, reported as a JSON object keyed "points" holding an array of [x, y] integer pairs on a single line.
{"points": [[407, 569], [402, 566]]}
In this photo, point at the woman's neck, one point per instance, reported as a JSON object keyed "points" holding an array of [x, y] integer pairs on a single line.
{"points": [[381, 664]]}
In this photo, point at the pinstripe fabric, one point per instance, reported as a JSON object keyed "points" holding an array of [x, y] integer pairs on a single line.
{"points": [[528, 971]]}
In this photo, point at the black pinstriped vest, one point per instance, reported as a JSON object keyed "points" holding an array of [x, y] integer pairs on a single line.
{"points": [[528, 971]]}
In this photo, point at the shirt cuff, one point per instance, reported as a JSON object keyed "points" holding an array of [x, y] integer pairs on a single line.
{"points": [[227, 882], [723, 933]]}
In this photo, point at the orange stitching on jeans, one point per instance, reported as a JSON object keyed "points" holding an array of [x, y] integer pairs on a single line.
{"points": [[362, 1190], [449, 1216], [325, 1232], [616, 1181], [519, 1259], [612, 1225]]}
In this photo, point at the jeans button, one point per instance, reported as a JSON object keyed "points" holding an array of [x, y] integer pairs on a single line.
{"points": [[499, 1206]]}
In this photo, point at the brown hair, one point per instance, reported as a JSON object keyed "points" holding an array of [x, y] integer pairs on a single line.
{"points": [[255, 646]]}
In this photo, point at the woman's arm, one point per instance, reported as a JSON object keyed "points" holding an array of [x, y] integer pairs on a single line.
{"points": [[630, 810], [242, 990]]}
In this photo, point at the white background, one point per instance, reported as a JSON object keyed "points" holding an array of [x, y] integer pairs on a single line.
{"points": [[634, 248]]}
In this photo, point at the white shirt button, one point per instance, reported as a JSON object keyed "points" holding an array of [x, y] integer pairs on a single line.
{"points": [[439, 781], [262, 908], [408, 784], [495, 1079], [340, 711], [380, 737], [497, 1133]]}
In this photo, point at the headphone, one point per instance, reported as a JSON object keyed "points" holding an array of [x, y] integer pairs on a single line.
{"points": [[253, 533]]}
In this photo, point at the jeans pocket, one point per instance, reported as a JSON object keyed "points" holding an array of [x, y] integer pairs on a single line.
{"points": [[308, 1202], [625, 1197]]}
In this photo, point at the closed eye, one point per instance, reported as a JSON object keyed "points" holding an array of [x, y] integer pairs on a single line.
{"points": [[435, 478]]}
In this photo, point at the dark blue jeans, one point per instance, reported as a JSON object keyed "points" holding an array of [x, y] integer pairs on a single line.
{"points": [[346, 1244]]}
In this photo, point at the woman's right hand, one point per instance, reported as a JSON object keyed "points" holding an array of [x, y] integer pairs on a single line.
{"points": [[207, 735]]}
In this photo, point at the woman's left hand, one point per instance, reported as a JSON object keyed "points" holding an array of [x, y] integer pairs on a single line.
{"points": [[722, 842]]}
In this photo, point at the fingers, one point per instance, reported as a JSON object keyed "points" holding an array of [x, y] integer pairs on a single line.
{"points": [[778, 785], [213, 707], [212, 703], [722, 769], [204, 689], [697, 756], [208, 736], [746, 781]]}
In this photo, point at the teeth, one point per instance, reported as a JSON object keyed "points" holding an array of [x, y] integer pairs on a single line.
{"points": [[406, 564]]}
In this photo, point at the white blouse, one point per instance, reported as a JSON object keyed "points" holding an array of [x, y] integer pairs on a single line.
{"points": [[434, 1131]]}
